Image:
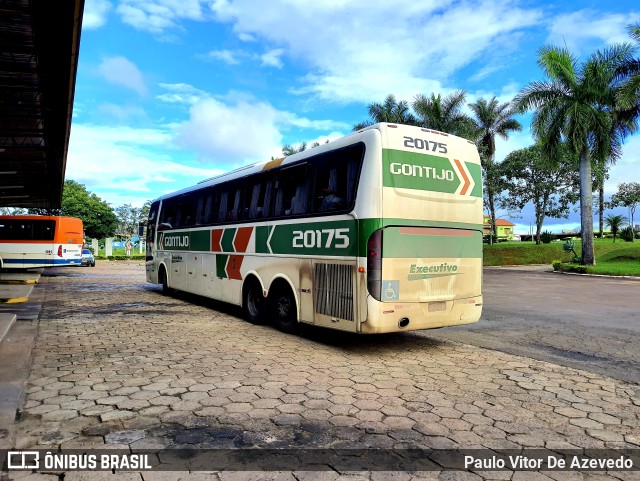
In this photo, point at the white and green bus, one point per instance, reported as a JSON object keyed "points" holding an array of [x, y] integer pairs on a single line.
{"points": [[379, 231]]}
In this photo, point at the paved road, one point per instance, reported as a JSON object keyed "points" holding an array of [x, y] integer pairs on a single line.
{"points": [[590, 323], [118, 365]]}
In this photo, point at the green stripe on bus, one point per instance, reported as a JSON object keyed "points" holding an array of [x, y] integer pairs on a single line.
{"points": [[366, 227], [221, 265], [413, 170], [227, 240], [332, 238], [402, 245], [476, 174], [201, 240]]}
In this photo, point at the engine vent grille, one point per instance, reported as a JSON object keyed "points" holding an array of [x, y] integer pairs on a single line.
{"points": [[334, 290]]}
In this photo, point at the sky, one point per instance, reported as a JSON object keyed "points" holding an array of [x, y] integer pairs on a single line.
{"points": [[171, 92]]}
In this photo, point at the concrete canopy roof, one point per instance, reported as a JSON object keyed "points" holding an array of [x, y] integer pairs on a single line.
{"points": [[39, 43]]}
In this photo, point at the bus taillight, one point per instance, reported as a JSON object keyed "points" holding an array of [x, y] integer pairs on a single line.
{"points": [[60, 251], [374, 264]]}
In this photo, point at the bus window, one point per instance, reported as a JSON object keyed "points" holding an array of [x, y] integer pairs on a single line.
{"points": [[259, 204], [336, 178], [293, 191]]}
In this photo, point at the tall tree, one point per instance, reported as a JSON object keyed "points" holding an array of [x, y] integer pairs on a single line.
{"points": [[128, 219], [96, 214], [576, 104], [445, 114], [628, 196], [549, 184], [492, 119], [390, 111]]}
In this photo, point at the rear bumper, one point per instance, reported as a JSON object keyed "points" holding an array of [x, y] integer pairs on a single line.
{"points": [[387, 317]]}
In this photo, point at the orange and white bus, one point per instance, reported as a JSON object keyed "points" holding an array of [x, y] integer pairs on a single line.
{"points": [[40, 241]]}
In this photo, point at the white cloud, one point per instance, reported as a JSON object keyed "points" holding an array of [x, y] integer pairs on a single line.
{"points": [[122, 113], [627, 168], [156, 16], [361, 51], [586, 30], [238, 133], [124, 165], [95, 13], [121, 71], [235, 129], [226, 56], [272, 58]]}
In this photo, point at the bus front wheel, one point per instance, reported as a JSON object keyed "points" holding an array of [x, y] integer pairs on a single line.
{"points": [[162, 275], [253, 302], [283, 310]]}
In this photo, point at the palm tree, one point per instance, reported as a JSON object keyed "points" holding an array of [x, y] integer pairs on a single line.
{"points": [[576, 104], [615, 222], [390, 111], [444, 114], [629, 94], [492, 118]]}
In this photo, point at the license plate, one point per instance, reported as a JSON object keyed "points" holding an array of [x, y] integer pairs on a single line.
{"points": [[437, 306]]}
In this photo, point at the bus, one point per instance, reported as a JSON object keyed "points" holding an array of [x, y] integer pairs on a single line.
{"points": [[379, 231], [40, 241]]}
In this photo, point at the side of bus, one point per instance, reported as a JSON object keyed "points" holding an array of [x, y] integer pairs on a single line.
{"points": [[282, 241], [40, 241], [371, 233]]}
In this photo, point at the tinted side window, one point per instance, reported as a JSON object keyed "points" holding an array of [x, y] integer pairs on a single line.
{"points": [[259, 197], [292, 196], [336, 176], [16, 229]]}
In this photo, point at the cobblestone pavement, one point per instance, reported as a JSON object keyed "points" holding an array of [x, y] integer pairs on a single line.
{"points": [[118, 365]]}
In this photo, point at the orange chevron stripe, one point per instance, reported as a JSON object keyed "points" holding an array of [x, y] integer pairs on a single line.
{"points": [[467, 182]]}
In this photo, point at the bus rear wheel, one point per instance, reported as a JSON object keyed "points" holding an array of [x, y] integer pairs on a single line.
{"points": [[283, 310], [253, 302]]}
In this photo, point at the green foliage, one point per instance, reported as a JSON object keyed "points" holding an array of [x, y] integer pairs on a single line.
{"points": [[569, 246], [546, 237], [96, 214], [615, 222], [390, 111], [549, 183], [445, 114], [575, 105], [627, 234], [120, 258], [557, 265], [612, 258]]}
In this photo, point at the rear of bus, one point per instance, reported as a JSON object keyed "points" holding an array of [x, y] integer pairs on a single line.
{"points": [[40, 241], [424, 262], [68, 241]]}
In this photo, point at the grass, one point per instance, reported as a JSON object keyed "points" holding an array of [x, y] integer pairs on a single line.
{"points": [[619, 258]]}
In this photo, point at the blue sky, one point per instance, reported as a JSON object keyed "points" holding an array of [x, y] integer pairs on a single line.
{"points": [[170, 92]]}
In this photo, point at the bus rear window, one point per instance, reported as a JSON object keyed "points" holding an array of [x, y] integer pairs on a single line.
{"points": [[27, 230]]}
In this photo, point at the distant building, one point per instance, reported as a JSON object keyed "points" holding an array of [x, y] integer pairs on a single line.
{"points": [[504, 228]]}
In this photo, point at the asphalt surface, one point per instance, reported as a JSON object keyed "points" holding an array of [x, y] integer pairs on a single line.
{"points": [[117, 365], [585, 322]]}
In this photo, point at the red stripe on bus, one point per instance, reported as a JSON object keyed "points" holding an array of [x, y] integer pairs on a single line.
{"points": [[234, 263], [216, 237], [436, 231], [241, 241]]}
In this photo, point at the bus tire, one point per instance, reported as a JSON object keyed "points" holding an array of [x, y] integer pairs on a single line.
{"points": [[162, 277], [283, 309], [253, 302]]}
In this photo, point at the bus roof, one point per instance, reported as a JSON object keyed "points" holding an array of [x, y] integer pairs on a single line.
{"points": [[270, 164]]}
